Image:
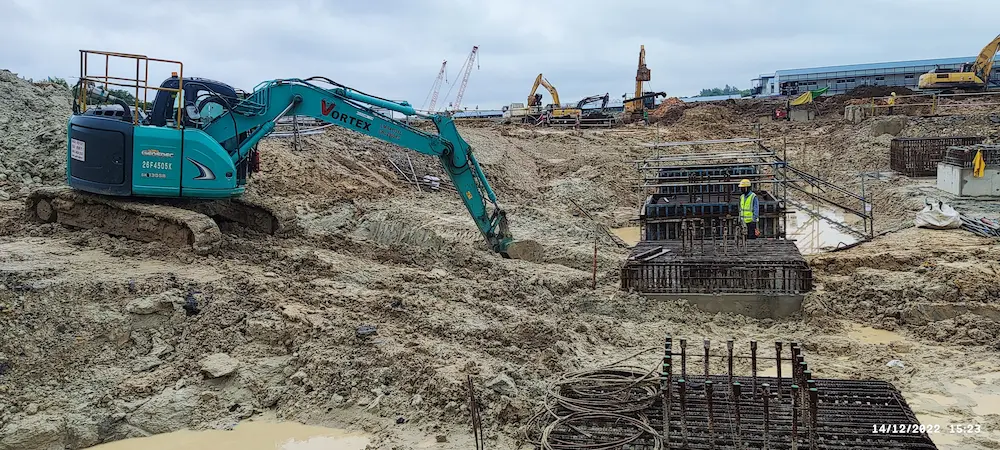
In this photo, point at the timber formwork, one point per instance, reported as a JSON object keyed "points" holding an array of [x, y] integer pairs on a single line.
{"points": [[695, 408], [919, 157], [730, 265]]}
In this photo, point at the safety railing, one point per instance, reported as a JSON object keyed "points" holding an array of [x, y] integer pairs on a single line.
{"points": [[931, 104], [89, 83]]}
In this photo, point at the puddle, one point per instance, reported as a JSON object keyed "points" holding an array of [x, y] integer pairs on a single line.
{"points": [[786, 367], [813, 234], [248, 436], [628, 234], [873, 335]]}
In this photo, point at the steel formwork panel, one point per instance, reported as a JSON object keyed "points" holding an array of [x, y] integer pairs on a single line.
{"points": [[919, 157], [663, 214]]}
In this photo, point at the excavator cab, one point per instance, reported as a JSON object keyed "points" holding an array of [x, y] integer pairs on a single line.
{"points": [[204, 100]]}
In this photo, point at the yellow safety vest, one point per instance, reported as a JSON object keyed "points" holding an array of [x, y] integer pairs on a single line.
{"points": [[746, 207]]}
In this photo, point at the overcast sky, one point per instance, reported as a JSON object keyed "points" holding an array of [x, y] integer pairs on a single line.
{"points": [[394, 48]]}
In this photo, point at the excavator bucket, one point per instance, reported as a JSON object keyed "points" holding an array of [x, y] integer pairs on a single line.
{"points": [[526, 250]]}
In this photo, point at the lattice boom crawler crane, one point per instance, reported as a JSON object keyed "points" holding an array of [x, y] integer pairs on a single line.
{"points": [[170, 175]]}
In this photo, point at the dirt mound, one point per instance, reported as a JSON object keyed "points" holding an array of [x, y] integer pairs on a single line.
{"points": [[669, 111], [335, 166], [877, 91], [32, 134]]}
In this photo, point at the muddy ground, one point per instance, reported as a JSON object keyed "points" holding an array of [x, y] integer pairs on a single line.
{"points": [[95, 343]]}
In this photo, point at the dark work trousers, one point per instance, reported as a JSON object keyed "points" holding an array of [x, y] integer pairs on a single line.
{"points": [[752, 230]]}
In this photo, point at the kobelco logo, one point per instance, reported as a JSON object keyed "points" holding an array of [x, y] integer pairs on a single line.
{"points": [[328, 110], [156, 153]]}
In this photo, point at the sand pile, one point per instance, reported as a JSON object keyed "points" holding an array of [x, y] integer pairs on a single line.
{"points": [[32, 134]]}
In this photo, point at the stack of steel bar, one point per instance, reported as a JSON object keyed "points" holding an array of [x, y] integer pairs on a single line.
{"points": [[628, 407], [963, 156], [732, 265], [982, 227], [919, 157], [585, 122]]}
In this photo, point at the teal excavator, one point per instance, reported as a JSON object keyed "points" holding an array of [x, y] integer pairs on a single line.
{"points": [[169, 173]]}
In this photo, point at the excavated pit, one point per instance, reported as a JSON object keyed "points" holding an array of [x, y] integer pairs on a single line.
{"points": [[360, 320]]}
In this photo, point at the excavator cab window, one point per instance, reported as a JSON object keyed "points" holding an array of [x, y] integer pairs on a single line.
{"points": [[197, 95]]}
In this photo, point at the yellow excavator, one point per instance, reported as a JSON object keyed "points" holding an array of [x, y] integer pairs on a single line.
{"points": [[642, 100], [553, 111], [974, 76]]}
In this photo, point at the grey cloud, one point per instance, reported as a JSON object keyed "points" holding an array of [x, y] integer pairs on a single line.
{"points": [[393, 48]]}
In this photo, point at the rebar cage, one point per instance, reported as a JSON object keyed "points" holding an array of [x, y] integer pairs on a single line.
{"points": [[964, 156], [919, 157], [759, 266]]}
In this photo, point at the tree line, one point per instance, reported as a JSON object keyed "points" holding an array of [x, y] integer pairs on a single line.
{"points": [[728, 90]]}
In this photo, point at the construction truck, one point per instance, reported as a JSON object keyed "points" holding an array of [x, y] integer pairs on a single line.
{"points": [[972, 77], [168, 177], [551, 114], [517, 113]]}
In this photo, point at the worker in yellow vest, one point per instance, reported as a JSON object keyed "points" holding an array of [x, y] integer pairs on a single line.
{"points": [[749, 208]]}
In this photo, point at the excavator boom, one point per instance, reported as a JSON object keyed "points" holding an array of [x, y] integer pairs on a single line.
{"points": [[344, 107], [541, 81], [983, 66]]}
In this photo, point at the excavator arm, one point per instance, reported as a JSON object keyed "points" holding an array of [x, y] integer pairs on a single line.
{"points": [[983, 66], [539, 80], [341, 106]]}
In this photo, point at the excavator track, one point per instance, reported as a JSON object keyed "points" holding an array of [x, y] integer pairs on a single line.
{"points": [[177, 223]]}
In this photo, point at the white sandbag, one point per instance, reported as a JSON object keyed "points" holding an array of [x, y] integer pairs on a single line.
{"points": [[938, 216]]}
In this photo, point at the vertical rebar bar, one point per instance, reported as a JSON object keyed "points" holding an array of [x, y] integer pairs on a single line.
{"points": [[736, 387], [684, 366], [665, 388], [795, 416], [777, 358], [729, 350], [813, 417], [682, 391], [711, 414], [707, 345], [753, 366], [767, 415]]}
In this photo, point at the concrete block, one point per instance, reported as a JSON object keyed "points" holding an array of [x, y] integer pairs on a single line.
{"points": [[758, 306], [959, 181], [801, 115], [891, 125]]}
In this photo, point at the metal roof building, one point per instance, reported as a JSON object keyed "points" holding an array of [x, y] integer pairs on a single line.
{"points": [[841, 79]]}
